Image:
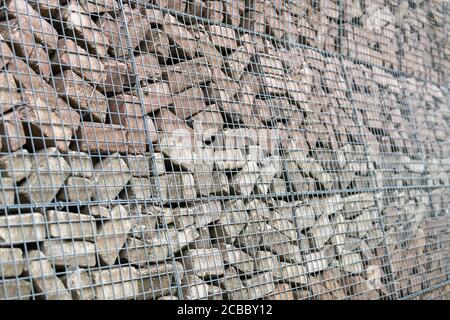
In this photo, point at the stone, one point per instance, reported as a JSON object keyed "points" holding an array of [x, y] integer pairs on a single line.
{"points": [[186, 74], [80, 164], [204, 262], [280, 244], [232, 286], [116, 283], [205, 213], [68, 225], [22, 41], [7, 188], [45, 282], [147, 67], [327, 205], [156, 96], [222, 37], [29, 19], [158, 281], [181, 186], [181, 239], [321, 231], [156, 42], [268, 169], [232, 220], [293, 273], [355, 203], [304, 216], [240, 260], [81, 95], [76, 189], [78, 282], [183, 42], [112, 234], [229, 159], [188, 102], [351, 262], [86, 66], [194, 288], [141, 253], [243, 182], [102, 138], [69, 253], [111, 175], [316, 261], [13, 289], [12, 133], [22, 228], [283, 291], [260, 285], [79, 23], [11, 263]]}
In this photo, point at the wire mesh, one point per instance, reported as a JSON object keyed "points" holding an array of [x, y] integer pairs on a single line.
{"points": [[229, 149]]}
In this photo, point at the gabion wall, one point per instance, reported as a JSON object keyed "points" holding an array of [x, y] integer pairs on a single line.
{"points": [[229, 149]]}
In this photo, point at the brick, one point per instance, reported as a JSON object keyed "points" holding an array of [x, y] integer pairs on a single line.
{"points": [[112, 234], [29, 19], [45, 282], [68, 225], [22, 41], [11, 262], [43, 184], [186, 74], [204, 262], [69, 253], [78, 22], [188, 102], [117, 283], [102, 138], [80, 95]]}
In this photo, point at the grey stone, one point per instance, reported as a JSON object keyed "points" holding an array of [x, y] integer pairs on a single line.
{"points": [[260, 285], [194, 288], [280, 244], [44, 278], [116, 283], [229, 159], [68, 225], [304, 216], [76, 189], [321, 231], [13, 289], [315, 262], [112, 234], [21, 228], [242, 261], [69, 253], [141, 253], [243, 182], [7, 189], [293, 273], [232, 220], [78, 282], [232, 286], [49, 171], [204, 262], [351, 262], [11, 263], [110, 176], [16, 165]]}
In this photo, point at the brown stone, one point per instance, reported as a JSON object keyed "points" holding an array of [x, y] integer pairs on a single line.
{"points": [[188, 102], [102, 138], [187, 74]]}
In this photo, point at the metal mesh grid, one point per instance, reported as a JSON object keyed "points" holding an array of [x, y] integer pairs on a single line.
{"points": [[234, 149]]}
